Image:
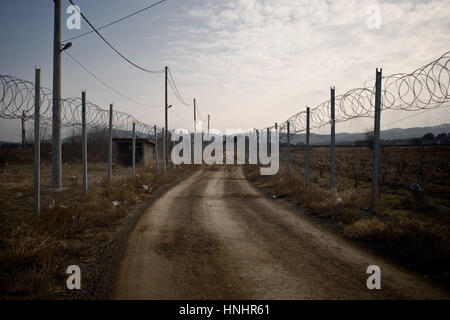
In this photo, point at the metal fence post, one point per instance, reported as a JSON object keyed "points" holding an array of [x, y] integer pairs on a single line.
{"points": [[257, 145], [333, 139], [110, 143], [37, 142], [156, 149], [164, 150], [307, 147], [276, 129], [376, 139], [192, 135], [133, 151], [172, 146], [268, 141], [23, 130], [84, 141], [288, 148]]}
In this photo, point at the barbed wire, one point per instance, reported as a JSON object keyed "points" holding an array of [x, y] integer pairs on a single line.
{"points": [[17, 100], [427, 87]]}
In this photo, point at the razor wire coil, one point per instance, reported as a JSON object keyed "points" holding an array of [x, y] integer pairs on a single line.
{"points": [[427, 87]]}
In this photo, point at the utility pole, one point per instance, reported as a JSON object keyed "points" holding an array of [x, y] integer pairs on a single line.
{"points": [[37, 142], [376, 139], [56, 114], [166, 136], [23, 130], [195, 117]]}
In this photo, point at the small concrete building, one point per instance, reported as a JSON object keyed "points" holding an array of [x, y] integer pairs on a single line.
{"points": [[122, 151]]}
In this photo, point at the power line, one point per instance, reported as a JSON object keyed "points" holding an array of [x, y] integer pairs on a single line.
{"points": [[116, 21], [112, 47], [175, 89], [107, 85], [198, 112]]}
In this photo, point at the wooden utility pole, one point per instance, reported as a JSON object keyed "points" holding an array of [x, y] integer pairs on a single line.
{"points": [[166, 137]]}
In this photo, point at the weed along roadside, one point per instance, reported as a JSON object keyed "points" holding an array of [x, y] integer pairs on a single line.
{"points": [[72, 229], [416, 236]]}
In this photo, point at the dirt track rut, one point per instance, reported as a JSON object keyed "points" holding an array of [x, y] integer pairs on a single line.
{"points": [[214, 236]]}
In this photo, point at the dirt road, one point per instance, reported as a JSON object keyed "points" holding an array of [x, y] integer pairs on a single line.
{"points": [[214, 236]]}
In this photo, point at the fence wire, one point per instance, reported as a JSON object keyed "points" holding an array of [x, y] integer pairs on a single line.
{"points": [[17, 100], [427, 87]]}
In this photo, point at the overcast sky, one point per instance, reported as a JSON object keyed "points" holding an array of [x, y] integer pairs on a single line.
{"points": [[248, 63]]}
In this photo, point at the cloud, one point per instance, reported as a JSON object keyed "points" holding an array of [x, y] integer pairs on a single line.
{"points": [[278, 56]]}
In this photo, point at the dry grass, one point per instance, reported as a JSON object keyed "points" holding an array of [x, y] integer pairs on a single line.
{"points": [[36, 250], [414, 229]]}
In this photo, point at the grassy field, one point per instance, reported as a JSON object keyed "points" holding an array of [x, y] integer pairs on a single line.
{"points": [[72, 227], [413, 228]]}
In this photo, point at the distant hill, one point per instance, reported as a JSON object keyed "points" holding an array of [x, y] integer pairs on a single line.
{"points": [[396, 136]]}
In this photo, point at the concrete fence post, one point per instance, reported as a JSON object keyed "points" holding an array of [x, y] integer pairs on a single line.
{"points": [[307, 147], [133, 152], [333, 140], [376, 139], [110, 137], [37, 142], [288, 149], [84, 141]]}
